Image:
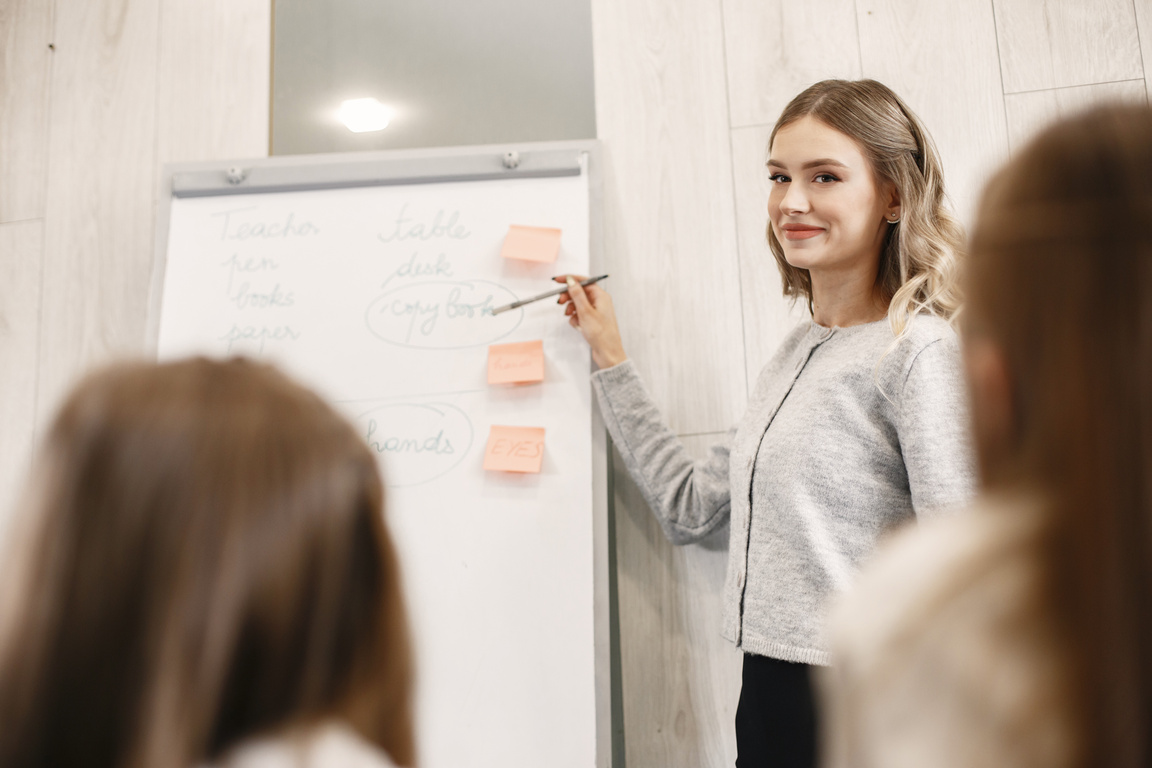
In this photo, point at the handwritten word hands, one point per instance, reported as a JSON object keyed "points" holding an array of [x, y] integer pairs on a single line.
{"points": [[591, 311]]}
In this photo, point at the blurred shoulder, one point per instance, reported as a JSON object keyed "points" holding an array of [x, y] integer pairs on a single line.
{"points": [[917, 568], [331, 744], [942, 649]]}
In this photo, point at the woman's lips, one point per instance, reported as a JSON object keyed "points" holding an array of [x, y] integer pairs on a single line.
{"points": [[800, 231]]}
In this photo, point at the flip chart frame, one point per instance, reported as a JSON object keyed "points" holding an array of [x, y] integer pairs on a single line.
{"points": [[435, 166]]}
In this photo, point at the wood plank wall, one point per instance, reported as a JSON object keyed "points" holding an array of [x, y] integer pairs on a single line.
{"points": [[95, 95]]}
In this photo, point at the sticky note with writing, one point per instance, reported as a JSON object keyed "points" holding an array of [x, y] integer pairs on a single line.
{"points": [[531, 243], [514, 449], [516, 363]]}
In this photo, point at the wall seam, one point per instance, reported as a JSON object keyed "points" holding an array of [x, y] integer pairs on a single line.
{"points": [[48, 109], [732, 183], [1000, 69]]}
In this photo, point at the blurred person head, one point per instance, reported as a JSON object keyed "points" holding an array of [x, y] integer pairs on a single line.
{"points": [[204, 560], [1058, 338], [917, 241]]}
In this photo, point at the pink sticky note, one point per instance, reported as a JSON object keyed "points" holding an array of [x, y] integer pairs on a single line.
{"points": [[531, 243], [514, 449], [516, 363]]}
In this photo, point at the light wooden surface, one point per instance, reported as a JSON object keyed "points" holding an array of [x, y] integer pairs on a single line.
{"points": [[101, 179], [776, 49], [662, 113], [1058, 43], [681, 679], [909, 45], [20, 247], [1143, 10], [1028, 112], [215, 80], [25, 64]]}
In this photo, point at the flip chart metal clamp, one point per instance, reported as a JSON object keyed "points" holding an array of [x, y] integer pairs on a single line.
{"points": [[236, 175]]}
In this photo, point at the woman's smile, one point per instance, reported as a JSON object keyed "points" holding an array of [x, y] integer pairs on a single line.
{"points": [[800, 231]]}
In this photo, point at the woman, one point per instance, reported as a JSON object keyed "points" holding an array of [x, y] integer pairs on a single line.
{"points": [[1019, 635], [205, 576], [857, 422]]}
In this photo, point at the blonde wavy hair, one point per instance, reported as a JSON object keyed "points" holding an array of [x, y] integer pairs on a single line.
{"points": [[920, 257]]}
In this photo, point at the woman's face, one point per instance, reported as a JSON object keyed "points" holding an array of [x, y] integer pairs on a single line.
{"points": [[826, 208]]}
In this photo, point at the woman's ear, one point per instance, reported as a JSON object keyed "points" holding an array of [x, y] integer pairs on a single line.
{"points": [[893, 211], [993, 407]]}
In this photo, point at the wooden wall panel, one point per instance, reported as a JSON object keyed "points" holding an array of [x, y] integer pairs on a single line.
{"points": [[1058, 43], [1144, 31], [215, 79], [25, 63], [681, 679], [1030, 112], [777, 48], [20, 247], [941, 58], [101, 183], [670, 228], [768, 316]]}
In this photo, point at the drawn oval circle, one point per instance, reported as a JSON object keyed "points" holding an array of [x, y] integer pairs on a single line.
{"points": [[417, 442], [443, 314]]}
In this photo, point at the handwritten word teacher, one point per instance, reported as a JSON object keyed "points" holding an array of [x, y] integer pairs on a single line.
{"points": [[857, 424]]}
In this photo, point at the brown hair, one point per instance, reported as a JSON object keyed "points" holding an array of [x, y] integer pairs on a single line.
{"points": [[919, 257], [206, 561], [1061, 282]]}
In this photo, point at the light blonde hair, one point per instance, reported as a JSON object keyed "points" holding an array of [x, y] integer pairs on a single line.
{"points": [[919, 259], [207, 561]]}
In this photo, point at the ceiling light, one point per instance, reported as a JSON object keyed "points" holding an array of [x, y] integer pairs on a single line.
{"points": [[362, 115]]}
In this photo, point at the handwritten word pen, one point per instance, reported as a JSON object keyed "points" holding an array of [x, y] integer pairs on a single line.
{"points": [[557, 292]]}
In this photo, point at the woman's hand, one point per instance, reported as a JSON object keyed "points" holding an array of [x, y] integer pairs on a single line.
{"points": [[590, 309]]}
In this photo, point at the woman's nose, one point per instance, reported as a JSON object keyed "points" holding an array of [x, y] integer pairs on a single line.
{"points": [[794, 200]]}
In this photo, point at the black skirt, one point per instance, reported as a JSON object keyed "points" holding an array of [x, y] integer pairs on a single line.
{"points": [[776, 716]]}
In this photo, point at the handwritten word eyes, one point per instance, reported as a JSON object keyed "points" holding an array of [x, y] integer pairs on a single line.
{"points": [[519, 449]]}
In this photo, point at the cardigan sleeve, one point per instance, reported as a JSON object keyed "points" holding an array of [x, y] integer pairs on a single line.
{"points": [[933, 428], [689, 498]]}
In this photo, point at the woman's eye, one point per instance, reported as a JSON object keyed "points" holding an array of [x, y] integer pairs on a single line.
{"points": [[778, 178], [826, 178]]}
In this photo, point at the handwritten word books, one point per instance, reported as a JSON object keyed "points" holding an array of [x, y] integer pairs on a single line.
{"points": [[531, 243], [514, 449], [521, 363]]}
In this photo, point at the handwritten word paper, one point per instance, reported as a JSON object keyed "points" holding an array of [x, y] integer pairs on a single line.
{"points": [[531, 243], [514, 449], [520, 363]]}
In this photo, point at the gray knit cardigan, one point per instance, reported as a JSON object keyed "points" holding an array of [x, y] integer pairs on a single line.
{"points": [[845, 437]]}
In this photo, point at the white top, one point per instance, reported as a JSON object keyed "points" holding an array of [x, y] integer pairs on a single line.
{"points": [[332, 744], [939, 657]]}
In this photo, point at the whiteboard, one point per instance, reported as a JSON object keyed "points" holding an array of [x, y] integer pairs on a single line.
{"points": [[367, 277]]}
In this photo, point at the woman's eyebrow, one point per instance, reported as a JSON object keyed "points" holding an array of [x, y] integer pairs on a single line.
{"points": [[810, 163]]}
